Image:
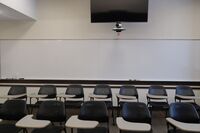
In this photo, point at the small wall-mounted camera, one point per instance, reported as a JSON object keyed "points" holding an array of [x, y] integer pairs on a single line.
{"points": [[118, 27]]}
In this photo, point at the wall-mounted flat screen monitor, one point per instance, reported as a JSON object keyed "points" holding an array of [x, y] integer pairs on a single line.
{"points": [[119, 11]]}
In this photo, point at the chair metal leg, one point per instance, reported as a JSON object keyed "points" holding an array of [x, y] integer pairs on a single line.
{"points": [[31, 107], [25, 130], [166, 113], [174, 129], [118, 111], [28, 108], [113, 117], [168, 127], [65, 130], [108, 129]]}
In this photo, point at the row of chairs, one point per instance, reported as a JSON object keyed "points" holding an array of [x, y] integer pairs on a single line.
{"points": [[157, 98], [93, 118]]}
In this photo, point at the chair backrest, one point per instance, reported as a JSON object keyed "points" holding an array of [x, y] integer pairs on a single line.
{"points": [[184, 91], [94, 110], [184, 112], [157, 90], [128, 91], [51, 110], [13, 110], [75, 90], [103, 90], [136, 112], [17, 90], [49, 90]]}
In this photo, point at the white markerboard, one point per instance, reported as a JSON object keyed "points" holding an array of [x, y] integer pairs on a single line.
{"points": [[101, 59]]}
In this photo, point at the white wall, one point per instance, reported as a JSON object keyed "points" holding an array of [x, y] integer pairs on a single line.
{"points": [[26, 7], [70, 19], [62, 43]]}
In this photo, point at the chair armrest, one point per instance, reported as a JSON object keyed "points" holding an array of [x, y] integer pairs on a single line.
{"points": [[188, 127], [187, 97], [131, 126], [127, 100], [74, 122], [126, 97], [65, 96], [13, 96], [156, 96], [29, 122], [103, 99], [74, 99], [98, 96], [36, 96]]}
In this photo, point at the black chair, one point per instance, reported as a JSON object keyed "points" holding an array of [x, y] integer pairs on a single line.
{"points": [[127, 93], [92, 111], [185, 93], [157, 99], [183, 117], [77, 100], [18, 90], [12, 110], [45, 92], [103, 90], [136, 117], [52, 111], [49, 90]]}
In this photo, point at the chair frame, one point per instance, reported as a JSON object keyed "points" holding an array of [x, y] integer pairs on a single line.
{"points": [[39, 96], [183, 126], [105, 98], [75, 123], [157, 98], [124, 125], [15, 119], [29, 122]]}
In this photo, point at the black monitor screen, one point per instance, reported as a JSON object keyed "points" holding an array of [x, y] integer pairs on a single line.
{"points": [[119, 11]]}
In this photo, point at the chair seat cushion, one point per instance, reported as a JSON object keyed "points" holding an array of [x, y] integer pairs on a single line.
{"points": [[183, 112], [13, 110], [159, 105], [73, 104], [49, 129], [95, 130], [121, 104], [37, 104], [9, 128], [197, 107], [51, 110], [94, 110], [136, 112]]}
